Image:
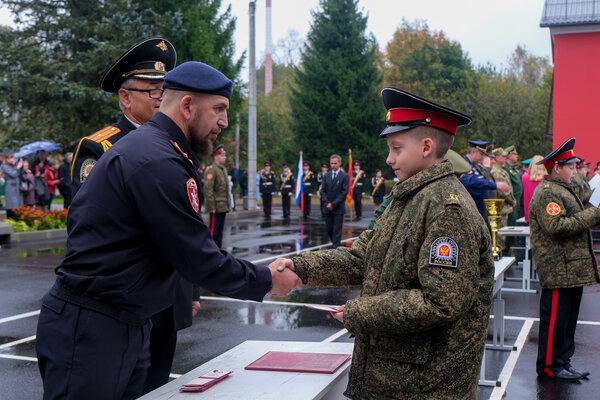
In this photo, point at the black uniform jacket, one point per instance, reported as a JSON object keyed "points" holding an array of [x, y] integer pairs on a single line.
{"points": [[136, 223]]}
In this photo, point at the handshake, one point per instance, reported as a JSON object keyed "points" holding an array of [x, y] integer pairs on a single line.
{"points": [[283, 276]]}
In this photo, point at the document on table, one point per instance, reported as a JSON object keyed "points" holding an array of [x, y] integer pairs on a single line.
{"points": [[322, 307], [595, 197], [594, 182]]}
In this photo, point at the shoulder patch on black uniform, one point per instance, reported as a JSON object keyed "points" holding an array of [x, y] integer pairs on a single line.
{"points": [[443, 252], [104, 134], [86, 168]]}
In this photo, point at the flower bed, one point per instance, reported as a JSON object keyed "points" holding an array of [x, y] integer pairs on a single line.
{"points": [[27, 219]]}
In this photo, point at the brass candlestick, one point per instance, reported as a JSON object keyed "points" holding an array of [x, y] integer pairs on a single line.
{"points": [[493, 207]]}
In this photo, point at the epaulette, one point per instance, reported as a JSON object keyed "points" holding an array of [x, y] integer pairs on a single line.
{"points": [[104, 134], [182, 153], [452, 199]]}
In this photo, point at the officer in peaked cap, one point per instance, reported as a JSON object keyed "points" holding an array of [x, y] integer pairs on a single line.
{"points": [[478, 181], [136, 77], [426, 269], [134, 229], [562, 249]]}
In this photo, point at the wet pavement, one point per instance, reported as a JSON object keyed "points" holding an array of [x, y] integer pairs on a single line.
{"points": [[27, 273]]}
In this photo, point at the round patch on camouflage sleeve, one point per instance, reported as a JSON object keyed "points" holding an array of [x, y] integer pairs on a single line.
{"points": [[443, 253], [553, 209]]}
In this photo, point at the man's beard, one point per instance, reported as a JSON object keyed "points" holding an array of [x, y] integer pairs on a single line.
{"points": [[203, 147]]}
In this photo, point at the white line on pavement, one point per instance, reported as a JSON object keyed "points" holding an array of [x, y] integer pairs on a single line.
{"points": [[15, 317], [335, 336], [20, 358], [16, 342], [509, 366]]}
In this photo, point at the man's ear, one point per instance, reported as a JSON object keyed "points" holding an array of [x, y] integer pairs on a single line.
{"points": [[125, 98], [185, 107]]}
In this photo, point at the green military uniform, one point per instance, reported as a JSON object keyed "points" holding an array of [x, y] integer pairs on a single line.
{"points": [[421, 321], [216, 197], [517, 185], [581, 188], [500, 175], [560, 236], [562, 249]]}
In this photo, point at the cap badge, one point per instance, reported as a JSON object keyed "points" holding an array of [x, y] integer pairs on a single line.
{"points": [[388, 116], [159, 66], [162, 45]]}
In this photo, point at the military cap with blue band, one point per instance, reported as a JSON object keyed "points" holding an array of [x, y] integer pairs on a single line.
{"points": [[195, 76], [407, 111], [147, 60]]}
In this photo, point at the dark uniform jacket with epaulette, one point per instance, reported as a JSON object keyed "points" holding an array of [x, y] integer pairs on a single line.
{"points": [[267, 182], [135, 228], [358, 182], [309, 182], [288, 184], [560, 236], [427, 272], [91, 147]]}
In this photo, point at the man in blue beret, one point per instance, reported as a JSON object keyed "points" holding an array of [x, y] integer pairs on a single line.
{"points": [[134, 229]]}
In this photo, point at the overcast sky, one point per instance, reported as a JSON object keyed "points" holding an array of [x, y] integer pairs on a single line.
{"points": [[488, 30]]}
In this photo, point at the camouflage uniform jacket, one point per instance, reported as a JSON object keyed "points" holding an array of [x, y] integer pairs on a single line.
{"points": [[419, 326], [560, 236], [500, 175], [216, 188], [581, 188]]}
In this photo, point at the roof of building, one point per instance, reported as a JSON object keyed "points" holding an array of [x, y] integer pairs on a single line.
{"points": [[570, 12]]}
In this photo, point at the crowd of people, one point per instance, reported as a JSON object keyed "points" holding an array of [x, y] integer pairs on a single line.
{"points": [[34, 181]]}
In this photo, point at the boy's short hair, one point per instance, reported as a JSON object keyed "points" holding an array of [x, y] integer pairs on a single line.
{"points": [[442, 139]]}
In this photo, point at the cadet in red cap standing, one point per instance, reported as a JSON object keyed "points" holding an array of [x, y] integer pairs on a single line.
{"points": [[426, 269], [562, 249], [216, 193]]}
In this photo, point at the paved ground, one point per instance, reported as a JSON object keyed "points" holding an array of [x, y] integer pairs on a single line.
{"points": [[27, 273]]}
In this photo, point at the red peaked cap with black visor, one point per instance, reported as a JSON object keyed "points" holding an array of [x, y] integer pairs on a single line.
{"points": [[407, 111], [564, 154]]}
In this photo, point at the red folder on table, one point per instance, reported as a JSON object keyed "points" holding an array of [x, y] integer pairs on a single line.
{"points": [[205, 381], [323, 363]]}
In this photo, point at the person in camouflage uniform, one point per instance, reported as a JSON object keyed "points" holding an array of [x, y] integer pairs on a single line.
{"points": [[580, 185], [510, 166], [216, 193], [426, 269], [500, 175], [562, 249]]}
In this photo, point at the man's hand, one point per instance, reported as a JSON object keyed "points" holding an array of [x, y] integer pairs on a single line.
{"points": [[339, 314], [195, 308], [329, 206], [503, 187], [282, 263], [283, 281]]}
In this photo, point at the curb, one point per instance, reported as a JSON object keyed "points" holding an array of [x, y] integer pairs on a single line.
{"points": [[36, 236]]}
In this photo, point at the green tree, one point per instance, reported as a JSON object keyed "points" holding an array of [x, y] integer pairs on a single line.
{"points": [[53, 58], [427, 63], [335, 101]]}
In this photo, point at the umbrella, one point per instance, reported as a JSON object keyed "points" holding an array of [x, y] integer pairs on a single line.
{"points": [[34, 147]]}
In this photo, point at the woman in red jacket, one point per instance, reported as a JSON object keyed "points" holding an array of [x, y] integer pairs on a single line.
{"points": [[52, 180]]}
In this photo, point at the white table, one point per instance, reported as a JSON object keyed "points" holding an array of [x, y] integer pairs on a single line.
{"points": [[498, 331], [529, 273], [264, 385]]}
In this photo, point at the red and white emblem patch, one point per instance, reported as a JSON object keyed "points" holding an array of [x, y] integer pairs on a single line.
{"points": [[553, 209], [192, 192], [443, 252]]}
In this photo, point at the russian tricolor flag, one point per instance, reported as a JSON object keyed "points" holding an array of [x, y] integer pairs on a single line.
{"points": [[300, 184]]}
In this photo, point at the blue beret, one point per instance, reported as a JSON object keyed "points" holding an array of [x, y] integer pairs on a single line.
{"points": [[194, 76]]}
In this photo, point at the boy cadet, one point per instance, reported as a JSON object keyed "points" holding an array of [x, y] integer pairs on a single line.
{"points": [[267, 187], [216, 193], [562, 248], [501, 175], [426, 269]]}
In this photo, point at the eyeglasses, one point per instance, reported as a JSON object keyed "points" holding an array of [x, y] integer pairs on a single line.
{"points": [[152, 93]]}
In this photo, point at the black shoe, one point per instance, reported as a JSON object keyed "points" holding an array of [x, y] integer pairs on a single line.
{"points": [[566, 375], [584, 374]]}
